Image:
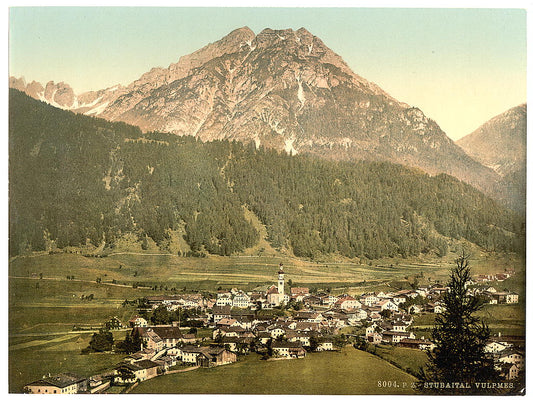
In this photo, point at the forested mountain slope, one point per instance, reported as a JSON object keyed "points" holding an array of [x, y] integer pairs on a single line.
{"points": [[76, 180]]}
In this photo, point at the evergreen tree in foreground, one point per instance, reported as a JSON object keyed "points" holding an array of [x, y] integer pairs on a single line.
{"points": [[459, 363]]}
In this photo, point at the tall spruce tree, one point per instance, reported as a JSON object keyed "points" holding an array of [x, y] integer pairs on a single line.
{"points": [[459, 363]]}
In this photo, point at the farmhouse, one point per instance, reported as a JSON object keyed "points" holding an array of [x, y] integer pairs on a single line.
{"points": [[299, 293], [288, 349], [419, 344], [387, 304], [348, 303], [131, 372], [509, 371], [61, 384], [138, 321], [207, 356]]}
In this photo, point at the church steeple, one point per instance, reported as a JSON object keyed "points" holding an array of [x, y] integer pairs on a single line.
{"points": [[281, 284]]}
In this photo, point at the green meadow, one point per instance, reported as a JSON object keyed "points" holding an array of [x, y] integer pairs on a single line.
{"points": [[30, 360], [347, 372]]}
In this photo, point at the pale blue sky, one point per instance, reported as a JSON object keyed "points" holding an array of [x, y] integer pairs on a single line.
{"points": [[460, 66]]}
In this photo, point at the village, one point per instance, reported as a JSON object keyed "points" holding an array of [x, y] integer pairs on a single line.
{"points": [[278, 325]]}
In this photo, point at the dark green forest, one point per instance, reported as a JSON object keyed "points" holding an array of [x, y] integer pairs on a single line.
{"points": [[74, 179]]}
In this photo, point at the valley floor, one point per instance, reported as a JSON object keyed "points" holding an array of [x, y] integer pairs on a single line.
{"points": [[51, 321]]}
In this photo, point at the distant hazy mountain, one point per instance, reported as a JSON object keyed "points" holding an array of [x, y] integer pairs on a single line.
{"points": [[500, 143], [280, 89]]}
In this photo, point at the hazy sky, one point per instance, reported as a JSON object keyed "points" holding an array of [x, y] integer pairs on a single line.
{"points": [[460, 66]]}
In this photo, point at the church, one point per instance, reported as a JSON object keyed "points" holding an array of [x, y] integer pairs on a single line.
{"points": [[276, 294]]}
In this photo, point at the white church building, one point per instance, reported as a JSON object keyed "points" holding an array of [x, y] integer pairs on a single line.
{"points": [[276, 295]]}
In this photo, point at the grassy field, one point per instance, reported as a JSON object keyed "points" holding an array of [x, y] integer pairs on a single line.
{"points": [[245, 272], [30, 360], [347, 372], [410, 360]]}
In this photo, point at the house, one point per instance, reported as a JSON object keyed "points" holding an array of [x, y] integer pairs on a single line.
{"points": [[138, 321], [308, 316], [189, 338], [500, 276], [288, 349], [509, 371], [207, 356], [374, 317], [369, 299], [511, 298], [263, 337], [356, 315], [312, 300], [374, 338], [158, 338], [60, 384], [330, 300], [166, 362], [399, 326], [220, 312], [131, 372], [435, 307], [169, 335], [324, 344], [511, 356], [224, 298], [303, 337], [99, 383], [299, 293], [496, 347], [150, 339], [387, 304], [226, 322], [242, 300], [400, 297], [390, 336], [419, 344], [276, 331], [485, 277], [348, 303]]}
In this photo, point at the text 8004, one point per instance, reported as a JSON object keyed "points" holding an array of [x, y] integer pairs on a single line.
{"points": [[395, 384]]}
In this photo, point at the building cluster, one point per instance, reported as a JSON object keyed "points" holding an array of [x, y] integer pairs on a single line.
{"points": [[495, 277], [241, 322], [493, 296], [508, 353]]}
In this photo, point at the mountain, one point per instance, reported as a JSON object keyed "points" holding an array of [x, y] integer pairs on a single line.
{"points": [[280, 89], [97, 186], [500, 143], [61, 95]]}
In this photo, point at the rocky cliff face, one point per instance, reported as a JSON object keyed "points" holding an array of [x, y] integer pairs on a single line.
{"points": [[282, 89]]}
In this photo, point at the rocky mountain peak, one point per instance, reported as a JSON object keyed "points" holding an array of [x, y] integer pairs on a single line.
{"points": [[286, 90]]}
